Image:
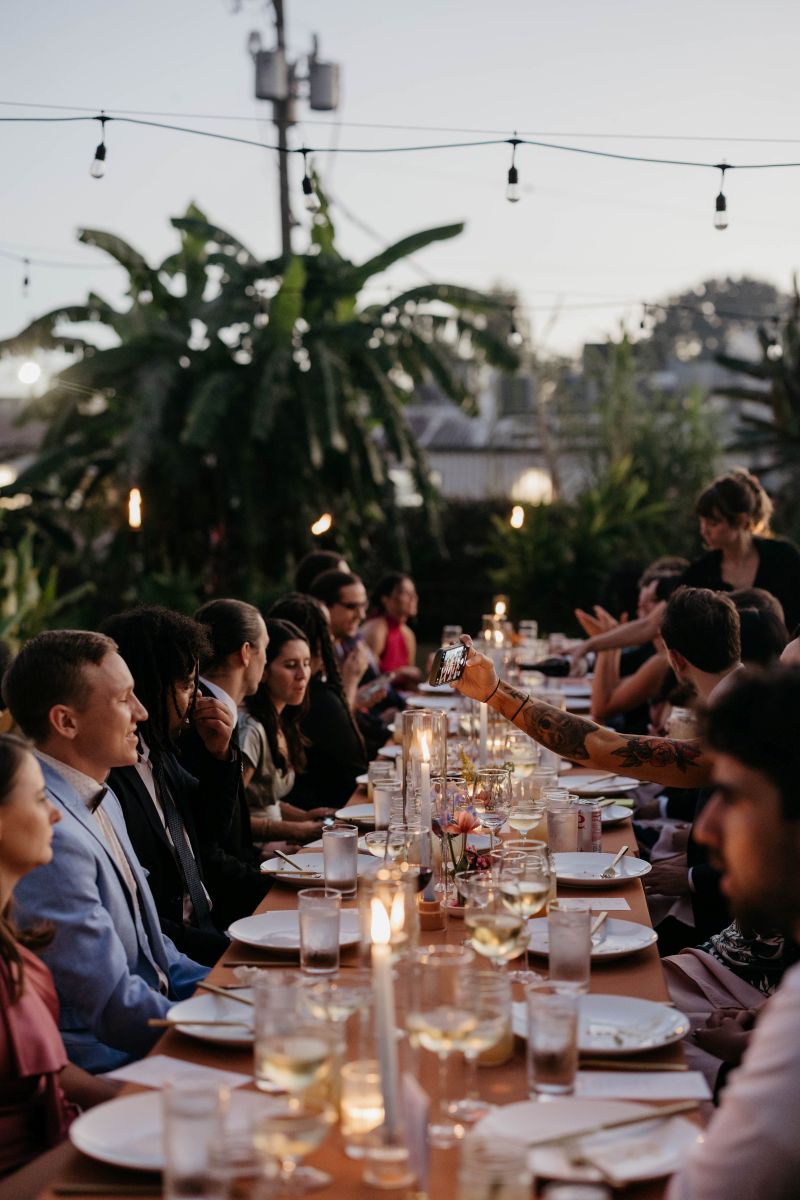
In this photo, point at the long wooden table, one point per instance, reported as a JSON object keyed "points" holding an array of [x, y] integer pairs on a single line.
{"points": [[638, 975]]}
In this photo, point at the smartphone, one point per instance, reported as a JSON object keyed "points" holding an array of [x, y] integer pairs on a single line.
{"points": [[374, 689], [448, 664]]}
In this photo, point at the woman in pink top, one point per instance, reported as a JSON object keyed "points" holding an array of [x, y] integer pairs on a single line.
{"points": [[387, 632], [37, 1084]]}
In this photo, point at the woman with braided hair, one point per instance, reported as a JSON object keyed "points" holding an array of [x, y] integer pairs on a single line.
{"points": [[335, 755]]}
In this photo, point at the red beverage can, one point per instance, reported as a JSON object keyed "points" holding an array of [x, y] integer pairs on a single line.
{"points": [[590, 826]]}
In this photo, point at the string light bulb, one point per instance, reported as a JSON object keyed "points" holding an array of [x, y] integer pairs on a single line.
{"points": [[98, 167], [721, 203], [512, 187], [311, 199], [514, 338], [134, 508], [517, 518], [29, 373]]}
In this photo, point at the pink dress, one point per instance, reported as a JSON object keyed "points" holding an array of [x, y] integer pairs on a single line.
{"points": [[34, 1113], [395, 651]]}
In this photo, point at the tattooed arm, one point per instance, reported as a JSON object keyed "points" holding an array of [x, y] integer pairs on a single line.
{"points": [[653, 759]]}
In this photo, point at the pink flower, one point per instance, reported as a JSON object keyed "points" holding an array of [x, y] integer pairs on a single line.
{"points": [[463, 822]]}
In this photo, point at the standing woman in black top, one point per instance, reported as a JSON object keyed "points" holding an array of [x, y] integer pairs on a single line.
{"points": [[734, 513], [335, 754]]}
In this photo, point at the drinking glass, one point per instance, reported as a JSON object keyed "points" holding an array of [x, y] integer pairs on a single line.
{"points": [[318, 912], [450, 634], [570, 944], [379, 772], [193, 1119], [525, 815], [385, 844], [439, 1020], [493, 1169], [487, 997], [524, 885], [521, 753], [562, 826], [292, 1053], [552, 1040], [361, 1104], [336, 999], [491, 798], [541, 778], [286, 1134], [340, 857], [382, 801], [413, 852]]}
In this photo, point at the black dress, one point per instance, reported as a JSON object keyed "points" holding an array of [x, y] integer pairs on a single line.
{"points": [[778, 573], [336, 754]]}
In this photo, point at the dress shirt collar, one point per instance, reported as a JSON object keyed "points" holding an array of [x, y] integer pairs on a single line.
{"points": [[87, 788], [222, 695]]}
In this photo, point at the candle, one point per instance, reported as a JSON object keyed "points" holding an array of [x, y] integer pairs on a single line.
{"points": [[385, 1021], [425, 811], [484, 733]]}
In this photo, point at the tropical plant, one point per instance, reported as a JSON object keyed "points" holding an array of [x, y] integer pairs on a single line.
{"points": [[29, 600], [243, 398]]}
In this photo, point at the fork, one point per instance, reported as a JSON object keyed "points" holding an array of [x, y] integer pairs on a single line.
{"points": [[611, 871]]}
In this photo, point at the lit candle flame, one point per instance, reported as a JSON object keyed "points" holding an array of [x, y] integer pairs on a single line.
{"points": [[397, 918], [424, 748], [135, 508], [380, 927]]}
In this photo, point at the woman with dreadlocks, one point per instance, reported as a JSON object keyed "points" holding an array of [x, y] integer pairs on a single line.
{"points": [[158, 797], [335, 755]]}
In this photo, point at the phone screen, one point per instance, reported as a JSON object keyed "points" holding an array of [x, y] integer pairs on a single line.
{"points": [[448, 664]]}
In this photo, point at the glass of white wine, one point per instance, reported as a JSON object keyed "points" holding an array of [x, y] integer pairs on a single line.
{"points": [[440, 1020], [524, 886], [292, 1053], [286, 1134], [496, 932], [526, 816], [488, 996]]}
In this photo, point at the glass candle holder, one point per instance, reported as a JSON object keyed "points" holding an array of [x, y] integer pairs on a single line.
{"points": [[424, 734], [396, 891], [361, 1104]]}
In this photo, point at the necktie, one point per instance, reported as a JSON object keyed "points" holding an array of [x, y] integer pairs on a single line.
{"points": [[187, 863]]}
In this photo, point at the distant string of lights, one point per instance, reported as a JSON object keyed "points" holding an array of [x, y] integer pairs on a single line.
{"points": [[97, 169]]}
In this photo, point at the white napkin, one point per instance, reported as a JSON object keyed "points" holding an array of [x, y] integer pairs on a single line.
{"points": [[159, 1069], [643, 1085], [604, 903]]}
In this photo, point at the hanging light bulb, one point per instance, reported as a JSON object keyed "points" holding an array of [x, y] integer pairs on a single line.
{"points": [[512, 187], [721, 203], [322, 524], [514, 338], [517, 518], [29, 372], [310, 197], [98, 167]]}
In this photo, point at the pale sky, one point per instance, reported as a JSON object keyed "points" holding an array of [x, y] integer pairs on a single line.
{"points": [[586, 231]]}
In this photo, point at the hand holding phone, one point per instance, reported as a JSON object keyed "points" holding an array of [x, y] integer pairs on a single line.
{"points": [[448, 664]]}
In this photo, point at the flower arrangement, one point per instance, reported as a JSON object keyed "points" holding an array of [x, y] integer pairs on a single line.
{"points": [[454, 833]]}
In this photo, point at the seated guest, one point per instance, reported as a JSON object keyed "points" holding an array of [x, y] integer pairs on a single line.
{"points": [[335, 754], [751, 1149], [38, 1086], [273, 747], [314, 564], [387, 632], [231, 672], [158, 797], [763, 629], [72, 694]]}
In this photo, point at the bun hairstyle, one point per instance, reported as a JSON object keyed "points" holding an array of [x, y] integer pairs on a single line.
{"points": [[736, 494]]}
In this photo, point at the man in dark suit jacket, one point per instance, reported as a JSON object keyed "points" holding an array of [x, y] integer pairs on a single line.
{"points": [[198, 884]]}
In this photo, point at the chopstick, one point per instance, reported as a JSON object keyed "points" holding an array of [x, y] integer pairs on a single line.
{"points": [[226, 992], [625, 1064], [295, 867], [655, 1113], [158, 1023], [596, 923]]}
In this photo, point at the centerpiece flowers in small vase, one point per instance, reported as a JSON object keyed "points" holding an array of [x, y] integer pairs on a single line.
{"points": [[457, 856]]}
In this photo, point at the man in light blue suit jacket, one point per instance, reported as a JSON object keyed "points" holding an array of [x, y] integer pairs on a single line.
{"points": [[114, 969]]}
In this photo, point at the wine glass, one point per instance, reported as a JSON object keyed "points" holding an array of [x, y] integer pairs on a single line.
{"points": [[496, 932], [521, 753], [525, 815], [413, 853], [439, 1020], [286, 1134], [524, 886], [292, 1054], [491, 798]]}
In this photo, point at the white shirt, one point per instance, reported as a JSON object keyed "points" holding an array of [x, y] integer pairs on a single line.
{"points": [[751, 1149], [222, 695]]}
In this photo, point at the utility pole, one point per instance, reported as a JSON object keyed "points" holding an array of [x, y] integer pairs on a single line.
{"points": [[279, 81]]}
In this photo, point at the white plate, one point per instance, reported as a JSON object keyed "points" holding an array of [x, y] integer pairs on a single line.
{"points": [[127, 1132], [356, 813], [390, 751], [612, 785], [584, 869], [615, 813], [621, 938], [307, 861], [362, 780], [618, 1025], [281, 930], [641, 1152], [207, 1007]]}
